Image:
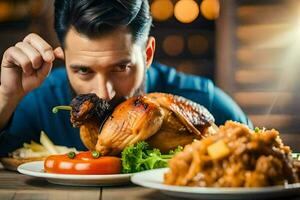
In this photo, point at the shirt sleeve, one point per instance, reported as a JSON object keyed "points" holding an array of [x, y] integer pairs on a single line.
{"points": [[224, 108], [22, 127]]}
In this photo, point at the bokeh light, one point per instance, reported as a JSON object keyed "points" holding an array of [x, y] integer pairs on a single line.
{"points": [[162, 9], [188, 67], [186, 11], [197, 44], [210, 9], [173, 45], [5, 10]]}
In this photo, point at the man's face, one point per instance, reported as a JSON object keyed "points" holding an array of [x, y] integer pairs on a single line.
{"points": [[110, 66]]}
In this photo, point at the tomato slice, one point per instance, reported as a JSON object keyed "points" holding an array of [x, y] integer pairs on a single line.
{"points": [[83, 163]]}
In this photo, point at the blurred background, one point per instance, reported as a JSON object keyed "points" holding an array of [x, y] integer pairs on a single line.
{"points": [[249, 48]]}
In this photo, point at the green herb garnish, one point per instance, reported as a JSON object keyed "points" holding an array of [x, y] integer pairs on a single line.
{"points": [[257, 129], [71, 154], [96, 154]]}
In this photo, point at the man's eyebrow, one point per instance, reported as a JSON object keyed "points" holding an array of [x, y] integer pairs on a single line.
{"points": [[121, 62], [79, 66]]}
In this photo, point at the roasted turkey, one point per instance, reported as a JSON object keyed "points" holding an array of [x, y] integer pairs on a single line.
{"points": [[165, 121]]}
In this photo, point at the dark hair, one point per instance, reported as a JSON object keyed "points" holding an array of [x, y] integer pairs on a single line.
{"points": [[95, 17]]}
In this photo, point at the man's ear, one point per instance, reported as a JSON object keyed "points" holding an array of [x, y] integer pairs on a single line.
{"points": [[150, 49], [59, 53]]}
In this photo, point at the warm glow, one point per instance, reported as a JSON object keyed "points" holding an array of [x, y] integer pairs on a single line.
{"points": [[162, 9], [5, 10], [173, 45], [186, 11], [188, 67], [197, 44], [282, 37], [210, 9]]}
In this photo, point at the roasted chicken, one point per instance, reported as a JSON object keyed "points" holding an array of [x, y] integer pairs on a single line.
{"points": [[165, 121]]}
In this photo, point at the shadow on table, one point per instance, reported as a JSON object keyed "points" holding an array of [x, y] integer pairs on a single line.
{"points": [[42, 183], [133, 192], [141, 193]]}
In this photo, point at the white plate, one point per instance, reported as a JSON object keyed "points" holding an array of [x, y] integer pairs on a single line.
{"points": [[154, 179], [36, 169]]}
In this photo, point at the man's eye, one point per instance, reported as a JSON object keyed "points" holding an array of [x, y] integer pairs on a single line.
{"points": [[83, 70], [120, 68]]}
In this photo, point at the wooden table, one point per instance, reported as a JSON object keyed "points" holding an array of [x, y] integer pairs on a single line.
{"points": [[15, 186]]}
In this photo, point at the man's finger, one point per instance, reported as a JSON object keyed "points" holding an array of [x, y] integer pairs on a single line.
{"points": [[34, 56], [59, 53], [44, 70], [16, 57], [41, 45]]}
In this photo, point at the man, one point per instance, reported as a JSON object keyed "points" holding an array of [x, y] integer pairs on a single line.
{"points": [[107, 51]]}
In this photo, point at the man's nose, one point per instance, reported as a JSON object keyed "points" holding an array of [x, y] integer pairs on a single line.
{"points": [[104, 88]]}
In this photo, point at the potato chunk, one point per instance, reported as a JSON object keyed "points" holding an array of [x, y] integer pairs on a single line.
{"points": [[218, 150]]}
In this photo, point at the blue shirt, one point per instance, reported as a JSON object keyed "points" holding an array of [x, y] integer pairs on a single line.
{"points": [[34, 113]]}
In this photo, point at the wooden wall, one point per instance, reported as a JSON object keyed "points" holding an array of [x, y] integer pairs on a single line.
{"points": [[258, 62]]}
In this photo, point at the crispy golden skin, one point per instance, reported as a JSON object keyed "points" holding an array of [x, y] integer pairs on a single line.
{"points": [[134, 120], [89, 132], [164, 121]]}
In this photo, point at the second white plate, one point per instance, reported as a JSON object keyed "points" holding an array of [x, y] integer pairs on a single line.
{"points": [[36, 169], [154, 179]]}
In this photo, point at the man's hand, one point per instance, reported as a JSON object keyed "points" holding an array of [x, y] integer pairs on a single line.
{"points": [[24, 67]]}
